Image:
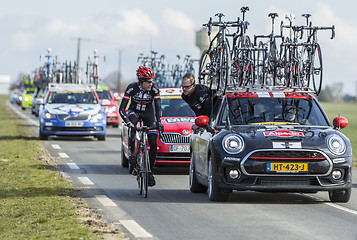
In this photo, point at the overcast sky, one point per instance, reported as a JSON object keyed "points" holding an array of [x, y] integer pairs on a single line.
{"points": [[28, 28]]}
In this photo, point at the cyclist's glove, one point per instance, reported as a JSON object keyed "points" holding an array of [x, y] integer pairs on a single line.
{"points": [[159, 126], [130, 125]]}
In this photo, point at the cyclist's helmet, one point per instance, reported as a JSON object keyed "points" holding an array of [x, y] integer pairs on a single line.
{"points": [[144, 74]]}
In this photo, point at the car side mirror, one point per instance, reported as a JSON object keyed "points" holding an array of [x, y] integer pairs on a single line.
{"points": [[201, 121], [340, 122]]}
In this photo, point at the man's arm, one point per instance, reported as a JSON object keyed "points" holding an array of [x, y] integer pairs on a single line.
{"points": [[123, 104]]}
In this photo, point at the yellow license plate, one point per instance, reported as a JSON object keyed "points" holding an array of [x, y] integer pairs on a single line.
{"points": [[287, 167]]}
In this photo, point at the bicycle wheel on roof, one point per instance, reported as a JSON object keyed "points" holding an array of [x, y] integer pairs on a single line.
{"points": [[317, 68]]}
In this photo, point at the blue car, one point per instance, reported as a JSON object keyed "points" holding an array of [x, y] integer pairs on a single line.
{"points": [[72, 110]]}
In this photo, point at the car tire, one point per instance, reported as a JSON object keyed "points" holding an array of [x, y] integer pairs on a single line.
{"points": [[124, 160], [195, 186], [342, 195], [101, 137], [42, 136], [115, 125], [215, 193]]}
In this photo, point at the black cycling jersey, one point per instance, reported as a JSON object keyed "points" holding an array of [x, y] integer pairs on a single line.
{"points": [[141, 107], [200, 101], [141, 101]]}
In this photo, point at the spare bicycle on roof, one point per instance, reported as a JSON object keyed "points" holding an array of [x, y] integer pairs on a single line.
{"points": [[289, 61]]}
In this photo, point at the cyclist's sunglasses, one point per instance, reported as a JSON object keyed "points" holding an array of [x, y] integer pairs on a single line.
{"points": [[187, 86]]}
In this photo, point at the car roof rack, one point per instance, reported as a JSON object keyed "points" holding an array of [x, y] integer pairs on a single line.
{"points": [[71, 86], [234, 89]]}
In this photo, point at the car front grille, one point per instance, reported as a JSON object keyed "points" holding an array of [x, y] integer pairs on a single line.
{"points": [[169, 138], [287, 155], [256, 162], [288, 183], [73, 129], [66, 117]]}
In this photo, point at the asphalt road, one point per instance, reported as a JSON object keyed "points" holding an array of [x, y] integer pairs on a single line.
{"points": [[171, 211]]}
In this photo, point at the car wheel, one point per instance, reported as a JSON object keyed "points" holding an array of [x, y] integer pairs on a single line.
{"points": [[42, 136], [115, 125], [342, 195], [195, 186], [101, 137], [215, 193], [124, 160]]}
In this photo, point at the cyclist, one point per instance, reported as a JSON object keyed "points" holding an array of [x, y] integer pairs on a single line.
{"points": [[143, 94], [197, 96]]}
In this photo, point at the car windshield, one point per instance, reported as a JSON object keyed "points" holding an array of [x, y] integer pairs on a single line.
{"points": [[104, 94], [256, 110], [72, 97], [175, 106]]}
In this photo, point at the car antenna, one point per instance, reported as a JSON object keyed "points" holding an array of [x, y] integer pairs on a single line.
{"points": [[339, 109]]}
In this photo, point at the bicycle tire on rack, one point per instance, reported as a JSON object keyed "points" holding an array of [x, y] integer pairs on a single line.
{"points": [[305, 64], [317, 68], [260, 66], [225, 65], [241, 55], [204, 72]]}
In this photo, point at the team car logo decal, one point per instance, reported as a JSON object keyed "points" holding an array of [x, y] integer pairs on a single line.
{"points": [[73, 110], [177, 120], [287, 145], [283, 133]]}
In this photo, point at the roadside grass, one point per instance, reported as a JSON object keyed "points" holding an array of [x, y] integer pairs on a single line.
{"points": [[349, 111], [35, 201]]}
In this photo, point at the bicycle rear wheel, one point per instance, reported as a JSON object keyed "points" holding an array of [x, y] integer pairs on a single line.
{"points": [[316, 68]]}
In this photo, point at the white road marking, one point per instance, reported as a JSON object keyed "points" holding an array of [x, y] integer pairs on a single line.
{"points": [[103, 199], [63, 155], [335, 205], [85, 181], [56, 146], [342, 208], [135, 229], [73, 166]]}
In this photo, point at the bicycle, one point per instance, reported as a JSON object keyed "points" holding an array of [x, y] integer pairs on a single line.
{"points": [[311, 56], [290, 54], [143, 165], [216, 61], [268, 62]]}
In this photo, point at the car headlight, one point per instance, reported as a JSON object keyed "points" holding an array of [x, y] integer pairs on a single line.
{"points": [[50, 116], [336, 144], [233, 144], [98, 116]]}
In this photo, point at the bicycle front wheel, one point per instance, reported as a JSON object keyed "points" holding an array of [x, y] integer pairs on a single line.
{"points": [[145, 171], [139, 176], [316, 68]]}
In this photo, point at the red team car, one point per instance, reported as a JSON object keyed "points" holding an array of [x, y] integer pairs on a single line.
{"points": [[109, 104], [177, 118]]}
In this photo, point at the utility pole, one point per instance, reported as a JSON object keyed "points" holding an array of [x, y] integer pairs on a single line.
{"points": [[78, 55]]}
